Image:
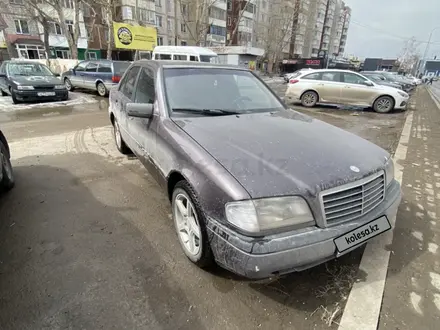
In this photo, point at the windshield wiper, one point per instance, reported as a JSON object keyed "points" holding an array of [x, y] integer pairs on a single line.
{"points": [[207, 112]]}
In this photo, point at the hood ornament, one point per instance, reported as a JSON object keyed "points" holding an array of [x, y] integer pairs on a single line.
{"points": [[354, 169]]}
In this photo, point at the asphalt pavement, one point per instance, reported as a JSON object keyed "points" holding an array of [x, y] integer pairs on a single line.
{"points": [[86, 239]]}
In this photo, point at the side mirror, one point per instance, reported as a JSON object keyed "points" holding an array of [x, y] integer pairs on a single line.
{"points": [[368, 83], [140, 110]]}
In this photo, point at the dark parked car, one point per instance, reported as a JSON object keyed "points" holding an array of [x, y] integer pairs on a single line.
{"points": [[380, 80], [259, 188], [99, 75], [6, 173], [30, 81], [393, 78]]}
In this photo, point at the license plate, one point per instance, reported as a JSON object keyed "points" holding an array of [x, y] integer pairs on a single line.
{"points": [[361, 234], [46, 94]]}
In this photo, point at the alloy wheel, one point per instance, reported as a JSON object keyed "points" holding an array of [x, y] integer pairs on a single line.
{"points": [[187, 224], [117, 134], [384, 105], [101, 89], [309, 99]]}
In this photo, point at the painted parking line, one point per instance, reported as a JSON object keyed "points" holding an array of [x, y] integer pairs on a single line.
{"points": [[364, 303]]}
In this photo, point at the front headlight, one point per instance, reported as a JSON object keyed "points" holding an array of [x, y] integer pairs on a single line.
{"points": [[259, 215], [60, 87], [403, 94], [389, 171], [21, 87]]}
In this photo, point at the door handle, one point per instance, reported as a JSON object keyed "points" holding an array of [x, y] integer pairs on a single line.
{"points": [[347, 87]]}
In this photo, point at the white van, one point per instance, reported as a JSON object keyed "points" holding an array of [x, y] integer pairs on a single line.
{"points": [[184, 53]]}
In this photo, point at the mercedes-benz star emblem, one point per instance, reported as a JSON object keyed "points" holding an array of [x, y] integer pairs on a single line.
{"points": [[354, 168]]}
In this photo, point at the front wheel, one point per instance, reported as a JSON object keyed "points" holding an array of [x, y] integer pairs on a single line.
{"points": [[7, 182], [309, 99], [68, 84], [189, 222], [14, 98], [383, 104]]}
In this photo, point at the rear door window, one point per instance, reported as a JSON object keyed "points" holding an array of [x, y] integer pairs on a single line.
{"points": [[163, 57], [331, 76], [81, 66], [193, 58]]}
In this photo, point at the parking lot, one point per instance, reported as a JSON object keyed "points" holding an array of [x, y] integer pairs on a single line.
{"points": [[86, 239]]}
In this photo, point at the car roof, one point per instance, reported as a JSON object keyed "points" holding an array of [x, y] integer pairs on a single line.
{"points": [[184, 49], [24, 62], [185, 64]]}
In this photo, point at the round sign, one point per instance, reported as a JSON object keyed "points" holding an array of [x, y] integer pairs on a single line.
{"points": [[125, 36]]}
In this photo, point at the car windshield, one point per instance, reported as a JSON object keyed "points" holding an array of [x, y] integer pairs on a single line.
{"points": [[226, 90], [209, 58], [28, 69]]}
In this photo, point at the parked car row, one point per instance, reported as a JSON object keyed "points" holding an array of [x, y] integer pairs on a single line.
{"points": [[218, 160], [329, 86], [405, 83]]}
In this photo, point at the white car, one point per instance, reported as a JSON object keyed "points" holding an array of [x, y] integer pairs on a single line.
{"points": [[343, 87]]}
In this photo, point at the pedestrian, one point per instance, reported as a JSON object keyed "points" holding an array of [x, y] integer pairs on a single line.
{"points": [[430, 81]]}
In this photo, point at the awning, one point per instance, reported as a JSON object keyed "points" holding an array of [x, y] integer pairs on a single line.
{"points": [[23, 39]]}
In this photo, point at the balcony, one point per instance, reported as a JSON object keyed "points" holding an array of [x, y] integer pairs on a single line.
{"points": [[215, 38]]}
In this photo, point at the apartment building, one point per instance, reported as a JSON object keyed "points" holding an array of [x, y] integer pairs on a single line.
{"points": [[20, 36], [244, 14], [217, 20], [97, 32]]}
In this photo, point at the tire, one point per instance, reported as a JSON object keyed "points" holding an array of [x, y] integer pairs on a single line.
{"points": [[3, 93], [65, 98], [14, 98], [120, 144], [8, 181], [101, 89], [203, 257], [309, 99], [68, 85], [383, 104]]}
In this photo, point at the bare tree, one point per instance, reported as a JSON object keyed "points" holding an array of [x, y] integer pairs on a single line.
{"points": [[277, 36], [107, 10], [243, 6], [409, 55], [195, 16], [36, 13], [57, 7]]}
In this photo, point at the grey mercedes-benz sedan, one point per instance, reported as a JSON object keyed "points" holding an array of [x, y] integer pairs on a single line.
{"points": [[255, 186]]}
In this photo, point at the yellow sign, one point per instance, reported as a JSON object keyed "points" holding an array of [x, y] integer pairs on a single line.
{"points": [[134, 37]]}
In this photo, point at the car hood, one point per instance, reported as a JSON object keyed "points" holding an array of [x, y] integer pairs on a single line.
{"points": [[36, 80], [284, 153]]}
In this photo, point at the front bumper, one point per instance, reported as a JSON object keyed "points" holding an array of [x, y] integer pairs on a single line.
{"points": [[32, 95], [401, 102], [279, 254]]}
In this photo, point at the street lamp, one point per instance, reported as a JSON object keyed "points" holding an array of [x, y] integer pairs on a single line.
{"points": [[427, 46]]}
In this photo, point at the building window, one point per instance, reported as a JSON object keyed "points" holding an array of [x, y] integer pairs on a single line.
{"points": [[170, 42], [68, 4], [159, 3], [184, 9], [86, 10], [229, 21], [218, 30], [62, 54], [69, 24], [158, 21], [89, 33], [106, 35], [183, 27], [217, 13], [159, 41], [55, 28], [229, 5], [183, 43], [30, 51], [92, 56], [16, 2], [169, 24], [21, 26], [263, 18], [250, 8], [264, 4], [169, 6], [127, 12], [147, 16]]}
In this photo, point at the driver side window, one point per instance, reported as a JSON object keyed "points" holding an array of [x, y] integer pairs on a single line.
{"points": [[145, 91]]}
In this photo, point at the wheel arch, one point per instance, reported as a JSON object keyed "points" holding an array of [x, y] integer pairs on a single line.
{"points": [[392, 97], [173, 178]]}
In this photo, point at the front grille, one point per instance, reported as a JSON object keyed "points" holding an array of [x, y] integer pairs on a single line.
{"points": [[44, 87], [353, 200]]}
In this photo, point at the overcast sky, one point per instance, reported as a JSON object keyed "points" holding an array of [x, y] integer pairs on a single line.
{"points": [[405, 18]]}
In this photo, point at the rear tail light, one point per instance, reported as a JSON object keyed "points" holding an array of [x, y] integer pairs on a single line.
{"points": [[116, 79], [293, 81]]}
